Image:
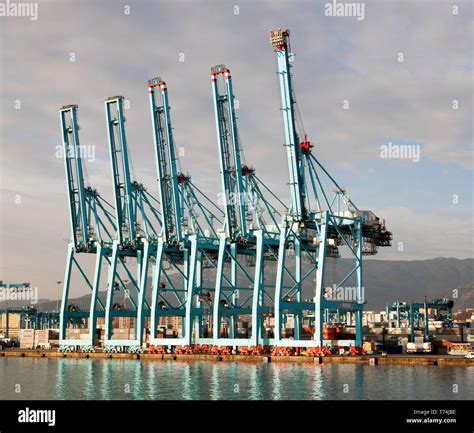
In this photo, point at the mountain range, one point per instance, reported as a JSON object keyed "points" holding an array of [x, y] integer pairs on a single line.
{"points": [[384, 282]]}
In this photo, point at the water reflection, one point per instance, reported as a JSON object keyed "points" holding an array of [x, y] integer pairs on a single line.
{"points": [[233, 382], [186, 382], [215, 385], [358, 385], [318, 392], [165, 380], [60, 384], [276, 382], [90, 381], [107, 378], [252, 381], [138, 381], [152, 382]]}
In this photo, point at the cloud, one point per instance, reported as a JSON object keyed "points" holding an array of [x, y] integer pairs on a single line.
{"points": [[418, 235]]}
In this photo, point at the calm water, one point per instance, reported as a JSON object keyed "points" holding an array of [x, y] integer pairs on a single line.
{"points": [[160, 380]]}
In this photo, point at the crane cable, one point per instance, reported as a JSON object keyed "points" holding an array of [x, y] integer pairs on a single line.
{"points": [[85, 172]]}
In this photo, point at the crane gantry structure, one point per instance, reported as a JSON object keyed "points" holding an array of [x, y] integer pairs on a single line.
{"points": [[138, 223], [247, 241], [416, 314], [92, 224], [319, 223], [259, 253], [29, 316], [188, 241]]}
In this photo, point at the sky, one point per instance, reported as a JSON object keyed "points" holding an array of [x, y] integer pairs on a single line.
{"points": [[401, 75]]}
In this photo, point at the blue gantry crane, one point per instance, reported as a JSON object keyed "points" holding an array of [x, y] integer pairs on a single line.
{"points": [[174, 239], [417, 317], [29, 316], [416, 314], [138, 223], [401, 310], [92, 229], [247, 241], [318, 224], [188, 241]]}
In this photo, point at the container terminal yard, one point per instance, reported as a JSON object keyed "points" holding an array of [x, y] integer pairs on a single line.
{"points": [[447, 342], [224, 281]]}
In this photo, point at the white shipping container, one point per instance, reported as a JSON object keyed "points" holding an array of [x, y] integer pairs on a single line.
{"points": [[44, 345], [121, 337], [367, 216], [26, 335], [26, 346], [345, 213]]}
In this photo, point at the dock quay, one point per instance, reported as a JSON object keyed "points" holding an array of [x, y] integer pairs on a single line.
{"points": [[437, 360]]}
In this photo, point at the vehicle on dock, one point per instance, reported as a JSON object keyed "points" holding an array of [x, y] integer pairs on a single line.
{"points": [[419, 347], [462, 349], [9, 342]]}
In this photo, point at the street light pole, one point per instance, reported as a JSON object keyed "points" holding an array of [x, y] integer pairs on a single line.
{"points": [[57, 295]]}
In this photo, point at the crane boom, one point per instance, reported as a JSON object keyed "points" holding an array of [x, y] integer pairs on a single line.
{"points": [[230, 159], [119, 160], [280, 41], [166, 163], [75, 176]]}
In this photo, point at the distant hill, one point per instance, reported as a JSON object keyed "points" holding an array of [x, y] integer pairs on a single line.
{"points": [[384, 281], [466, 297]]}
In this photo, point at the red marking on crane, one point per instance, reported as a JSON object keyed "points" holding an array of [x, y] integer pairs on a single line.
{"points": [[305, 145], [182, 178], [222, 71], [150, 89], [160, 83], [246, 170]]}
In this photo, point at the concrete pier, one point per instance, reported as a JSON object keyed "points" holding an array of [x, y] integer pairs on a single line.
{"points": [[428, 360]]}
